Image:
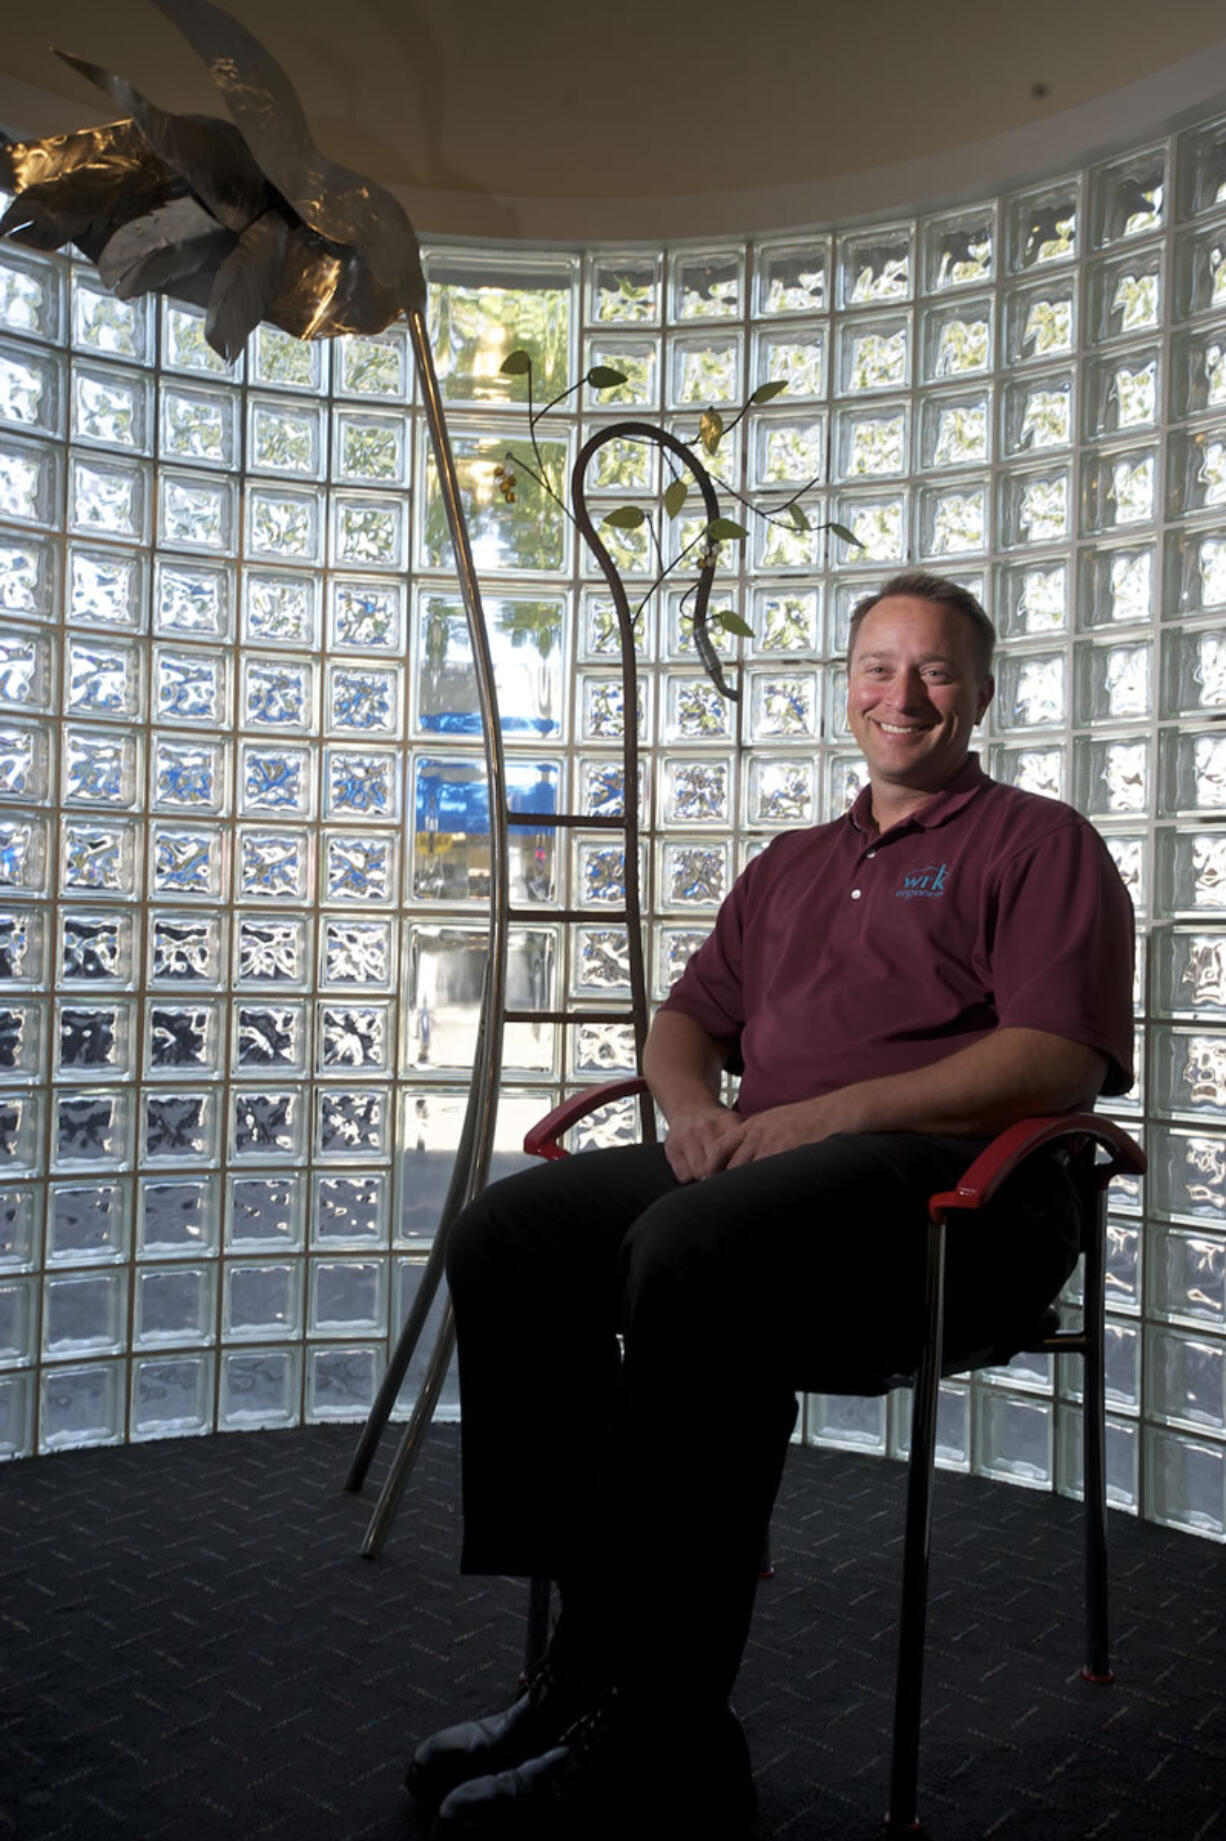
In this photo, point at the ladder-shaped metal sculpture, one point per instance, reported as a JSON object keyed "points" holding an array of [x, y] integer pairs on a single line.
{"points": [[483, 1093]]}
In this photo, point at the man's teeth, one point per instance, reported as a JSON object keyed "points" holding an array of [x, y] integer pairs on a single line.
{"points": [[893, 729]]}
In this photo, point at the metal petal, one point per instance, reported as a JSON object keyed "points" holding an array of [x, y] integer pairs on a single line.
{"points": [[335, 202], [326, 289], [209, 154], [164, 250], [246, 285], [80, 188]]}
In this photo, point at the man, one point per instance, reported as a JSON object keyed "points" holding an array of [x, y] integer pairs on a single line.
{"points": [[896, 987]]}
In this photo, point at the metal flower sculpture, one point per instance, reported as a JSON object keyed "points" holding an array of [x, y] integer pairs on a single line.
{"points": [[248, 219]]}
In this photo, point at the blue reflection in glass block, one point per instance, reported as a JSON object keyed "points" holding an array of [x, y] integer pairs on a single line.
{"points": [[175, 1126], [16, 764], [18, 670], [604, 874], [103, 588], [189, 688], [272, 865], [364, 700], [88, 1038], [182, 863], [270, 951], [182, 949], [361, 783], [191, 600], [278, 695], [86, 1127], [268, 1036], [185, 774], [12, 1127], [14, 942], [94, 769], [357, 952], [279, 610], [265, 1123], [98, 678], [94, 858], [178, 1037], [91, 949], [274, 782], [15, 842], [351, 1122], [359, 868], [365, 617], [12, 1038]]}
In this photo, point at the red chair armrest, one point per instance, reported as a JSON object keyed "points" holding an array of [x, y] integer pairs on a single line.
{"points": [[1000, 1158], [542, 1139]]}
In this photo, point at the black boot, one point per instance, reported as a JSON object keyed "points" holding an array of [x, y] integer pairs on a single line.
{"points": [[549, 1704]]}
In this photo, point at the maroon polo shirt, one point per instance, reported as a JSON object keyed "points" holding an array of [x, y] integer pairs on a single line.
{"points": [[844, 953]]}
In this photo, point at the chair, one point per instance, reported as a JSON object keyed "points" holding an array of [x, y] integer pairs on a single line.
{"points": [[1099, 1151]]}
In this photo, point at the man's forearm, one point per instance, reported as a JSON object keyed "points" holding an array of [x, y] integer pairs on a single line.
{"points": [[682, 1064], [1012, 1074]]}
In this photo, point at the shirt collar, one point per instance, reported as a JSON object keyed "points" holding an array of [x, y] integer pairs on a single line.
{"points": [[952, 797]]}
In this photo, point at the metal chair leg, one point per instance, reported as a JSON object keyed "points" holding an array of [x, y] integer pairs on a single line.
{"points": [[1097, 1666], [406, 1452]]}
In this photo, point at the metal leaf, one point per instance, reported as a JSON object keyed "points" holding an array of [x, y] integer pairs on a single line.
{"points": [[173, 245], [79, 188], [517, 363], [848, 536], [208, 154], [335, 202], [675, 497], [246, 285], [625, 518], [726, 530], [710, 428]]}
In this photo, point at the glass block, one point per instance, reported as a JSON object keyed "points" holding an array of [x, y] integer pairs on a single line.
{"points": [[81, 1407], [955, 429], [273, 865], [341, 1383], [172, 1399], [31, 482], [200, 426], [1185, 1483], [1192, 974], [600, 788], [1186, 1379], [185, 861], [1012, 1438], [348, 1296], [1196, 470], [674, 948], [705, 371], [1041, 320], [31, 294], [101, 323], [26, 671], [177, 1216], [953, 519], [787, 620], [445, 972], [280, 610], [24, 854], [1034, 770], [1041, 226], [258, 1389], [624, 465], [183, 1037], [869, 443], [20, 1228], [1198, 371], [354, 1036], [194, 599], [265, 1213], [846, 1422], [28, 574], [84, 1313], [526, 640], [196, 512], [361, 786], [96, 949], [108, 498], [101, 767], [1194, 671], [1187, 1177], [1187, 1277], [601, 962], [22, 941], [16, 1393], [530, 535], [179, 1128], [18, 1317], [1113, 681], [695, 792], [783, 706], [1193, 871], [792, 452], [1193, 772], [792, 355], [693, 875], [289, 438], [359, 868], [781, 791], [270, 1035], [624, 287], [374, 366], [953, 1442], [1113, 775], [286, 523], [1031, 690], [277, 695], [407, 1274], [678, 635], [367, 447], [778, 547], [1128, 196], [174, 1305], [694, 710], [102, 677], [357, 953], [273, 952], [1121, 392], [369, 532], [285, 363], [1199, 271], [189, 687], [480, 308], [874, 354], [100, 857], [184, 346], [31, 388], [1188, 1071], [1117, 585], [606, 1128], [24, 762], [875, 265], [1122, 1465], [269, 1125], [1037, 413], [431, 1120], [1035, 505], [707, 284], [188, 776], [350, 1211], [848, 777], [879, 521], [365, 616], [955, 340], [94, 1040], [353, 1124], [1121, 488], [958, 249]]}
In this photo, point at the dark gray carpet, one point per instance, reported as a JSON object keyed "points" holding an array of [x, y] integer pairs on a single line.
{"points": [[192, 1650]]}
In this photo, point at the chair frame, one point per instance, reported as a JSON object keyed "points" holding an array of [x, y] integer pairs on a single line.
{"points": [[1103, 1151]]}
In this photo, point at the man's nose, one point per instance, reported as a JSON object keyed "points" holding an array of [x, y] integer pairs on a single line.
{"points": [[910, 691]]}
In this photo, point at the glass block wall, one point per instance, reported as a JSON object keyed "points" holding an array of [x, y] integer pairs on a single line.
{"points": [[243, 814]]}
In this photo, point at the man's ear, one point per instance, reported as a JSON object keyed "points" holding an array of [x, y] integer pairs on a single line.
{"points": [[987, 690]]}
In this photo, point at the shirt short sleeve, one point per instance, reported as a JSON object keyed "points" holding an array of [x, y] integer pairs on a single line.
{"points": [[1062, 951]]}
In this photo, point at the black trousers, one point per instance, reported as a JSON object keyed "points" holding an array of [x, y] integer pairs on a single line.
{"points": [[630, 1349]]}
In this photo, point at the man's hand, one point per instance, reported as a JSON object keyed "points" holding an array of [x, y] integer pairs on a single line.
{"points": [[782, 1128], [701, 1140]]}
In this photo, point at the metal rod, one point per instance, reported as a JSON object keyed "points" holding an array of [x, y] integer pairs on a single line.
{"points": [[413, 1439], [547, 821], [1094, 1438]]}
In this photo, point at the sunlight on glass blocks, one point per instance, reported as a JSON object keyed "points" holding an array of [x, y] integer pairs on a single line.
{"points": [[112, 408], [624, 288], [1041, 226], [792, 277], [1199, 271], [874, 354], [32, 294], [480, 310], [875, 265], [374, 365], [958, 249], [1040, 321], [795, 356], [529, 535]]}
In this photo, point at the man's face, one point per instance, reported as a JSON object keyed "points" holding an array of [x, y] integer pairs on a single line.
{"points": [[914, 693]]}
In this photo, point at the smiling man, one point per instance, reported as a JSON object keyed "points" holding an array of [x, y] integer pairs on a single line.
{"points": [[893, 988]]}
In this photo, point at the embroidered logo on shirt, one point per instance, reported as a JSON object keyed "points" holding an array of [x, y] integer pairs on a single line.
{"points": [[929, 881]]}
